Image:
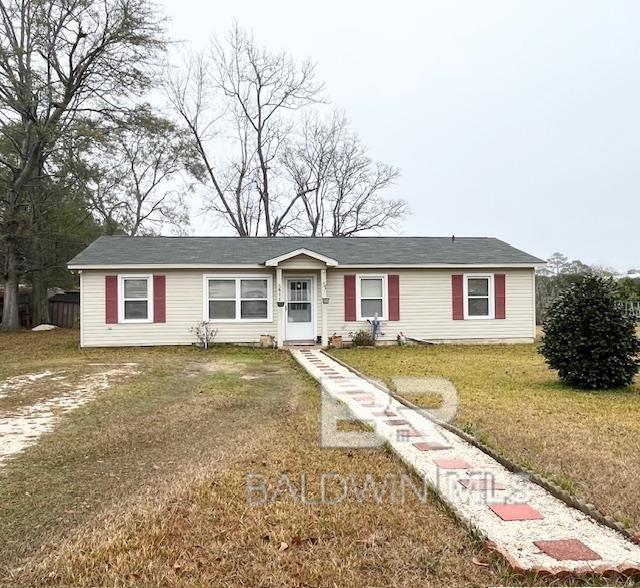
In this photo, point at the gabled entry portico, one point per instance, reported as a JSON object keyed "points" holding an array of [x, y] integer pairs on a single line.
{"points": [[301, 284], [300, 308]]}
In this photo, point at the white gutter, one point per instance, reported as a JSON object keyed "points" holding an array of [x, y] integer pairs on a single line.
{"points": [[346, 266]]}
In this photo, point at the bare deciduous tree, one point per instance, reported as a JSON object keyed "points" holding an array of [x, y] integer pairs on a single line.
{"points": [[135, 187], [60, 59], [273, 171], [241, 94], [340, 186]]}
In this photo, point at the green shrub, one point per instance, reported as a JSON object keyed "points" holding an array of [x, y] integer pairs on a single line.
{"points": [[589, 338], [361, 338]]}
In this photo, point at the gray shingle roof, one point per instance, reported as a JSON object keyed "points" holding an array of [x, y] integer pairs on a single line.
{"points": [[120, 250]]}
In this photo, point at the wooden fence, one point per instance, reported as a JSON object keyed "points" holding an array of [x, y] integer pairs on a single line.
{"points": [[633, 306], [64, 309]]}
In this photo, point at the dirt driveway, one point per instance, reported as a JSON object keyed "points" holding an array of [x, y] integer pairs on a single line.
{"points": [[32, 404]]}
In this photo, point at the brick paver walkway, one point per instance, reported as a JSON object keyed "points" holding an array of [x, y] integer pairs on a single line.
{"points": [[531, 528]]}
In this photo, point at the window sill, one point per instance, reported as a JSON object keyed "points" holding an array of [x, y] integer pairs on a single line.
{"points": [[371, 318], [478, 318]]}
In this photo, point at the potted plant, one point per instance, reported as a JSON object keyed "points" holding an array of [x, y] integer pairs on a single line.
{"points": [[266, 340]]}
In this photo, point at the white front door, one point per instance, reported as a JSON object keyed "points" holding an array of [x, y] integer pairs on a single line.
{"points": [[299, 310]]}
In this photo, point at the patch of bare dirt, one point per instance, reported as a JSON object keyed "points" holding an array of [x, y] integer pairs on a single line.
{"points": [[23, 426]]}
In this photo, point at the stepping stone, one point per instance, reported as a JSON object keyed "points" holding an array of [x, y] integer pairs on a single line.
{"points": [[452, 464], [396, 422], [430, 446], [406, 433], [516, 512], [383, 413], [567, 550], [482, 484]]}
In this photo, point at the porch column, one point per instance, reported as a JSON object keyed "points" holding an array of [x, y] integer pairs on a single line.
{"points": [[324, 336], [279, 308]]}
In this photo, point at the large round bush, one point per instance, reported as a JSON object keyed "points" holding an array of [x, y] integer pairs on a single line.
{"points": [[589, 338]]}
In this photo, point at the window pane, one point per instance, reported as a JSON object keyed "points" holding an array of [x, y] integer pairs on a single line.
{"points": [[135, 288], [222, 289], [253, 289], [253, 309], [222, 309], [371, 288], [135, 309], [299, 290], [478, 307], [478, 286], [299, 312], [368, 308]]}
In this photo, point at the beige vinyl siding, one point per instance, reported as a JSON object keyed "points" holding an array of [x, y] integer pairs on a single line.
{"points": [[426, 307], [184, 309], [301, 262]]}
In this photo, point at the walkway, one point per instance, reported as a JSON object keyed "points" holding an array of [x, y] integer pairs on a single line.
{"points": [[530, 528]]}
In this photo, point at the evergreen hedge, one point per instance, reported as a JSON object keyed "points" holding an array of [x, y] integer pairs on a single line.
{"points": [[589, 338]]}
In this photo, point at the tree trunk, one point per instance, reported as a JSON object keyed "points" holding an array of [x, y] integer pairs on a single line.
{"points": [[10, 316], [39, 299]]}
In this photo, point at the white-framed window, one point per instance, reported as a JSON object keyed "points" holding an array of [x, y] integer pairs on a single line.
{"points": [[371, 296], [478, 296], [229, 298], [135, 296]]}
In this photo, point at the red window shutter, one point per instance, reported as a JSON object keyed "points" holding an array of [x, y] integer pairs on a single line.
{"points": [[159, 299], [499, 284], [393, 286], [350, 297], [111, 299], [457, 290]]}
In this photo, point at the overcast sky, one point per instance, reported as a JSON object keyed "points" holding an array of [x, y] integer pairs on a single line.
{"points": [[514, 119]]}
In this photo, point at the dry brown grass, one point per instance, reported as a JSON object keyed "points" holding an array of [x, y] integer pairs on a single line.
{"points": [[589, 443], [147, 487], [425, 400]]}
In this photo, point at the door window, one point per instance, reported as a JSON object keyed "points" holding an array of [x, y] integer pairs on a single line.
{"points": [[299, 306]]}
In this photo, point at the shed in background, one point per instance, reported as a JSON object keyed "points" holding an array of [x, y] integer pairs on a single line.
{"points": [[64, 309]]}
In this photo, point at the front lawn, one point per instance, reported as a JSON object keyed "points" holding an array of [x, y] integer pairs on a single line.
{"points": [[145, 486], [587, 442]]}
